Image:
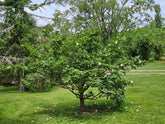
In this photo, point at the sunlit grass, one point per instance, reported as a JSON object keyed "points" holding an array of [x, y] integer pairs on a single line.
{"points": [[145, 104], [156, 65]]}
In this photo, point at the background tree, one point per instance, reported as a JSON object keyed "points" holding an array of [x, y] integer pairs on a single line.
{"points": [[17, 28], [158, 18], [62, 23], [109, 16], [19, 22], [146, 42]]}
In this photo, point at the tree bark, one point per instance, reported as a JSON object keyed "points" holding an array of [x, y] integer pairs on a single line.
{"points": [[21, 85], [82, 105]]}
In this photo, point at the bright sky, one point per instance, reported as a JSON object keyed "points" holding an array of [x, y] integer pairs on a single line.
{"points": [[162, 5]]}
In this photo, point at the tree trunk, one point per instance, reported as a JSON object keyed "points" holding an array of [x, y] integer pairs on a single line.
{"points": [[21, 85], [82, 105]]}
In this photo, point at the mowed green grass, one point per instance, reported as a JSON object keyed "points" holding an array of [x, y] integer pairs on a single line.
{"points": [[145, 104], [156, 65]]}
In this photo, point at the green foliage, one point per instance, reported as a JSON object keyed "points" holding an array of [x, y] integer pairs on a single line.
{"points": [[62, 22], [8, 75], [158, 18], [83, 62], [17, 29], [38, 68], [108, 16], [146, 42]]}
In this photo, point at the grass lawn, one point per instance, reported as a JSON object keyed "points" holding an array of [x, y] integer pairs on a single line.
{"points": [[145, 104], [156, 65]]}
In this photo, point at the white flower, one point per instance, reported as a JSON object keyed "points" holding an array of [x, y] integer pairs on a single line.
{"points": [[131, 82], [125, 88], [139, 106], [116, 42], [131, 102], [76, 43], [118, 47], [121, 65], [8, 67], [106, 54], [109, 44], [114, 117], [47, 119], [137, 110], [108, 73], [126, 107], [140, 61], [32, 121], [38, 107], [96, 110], [50, 117], [99, 63]]}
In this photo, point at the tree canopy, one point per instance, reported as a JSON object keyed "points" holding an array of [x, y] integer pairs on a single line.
{"points": [[109, 16], [84, 64]]}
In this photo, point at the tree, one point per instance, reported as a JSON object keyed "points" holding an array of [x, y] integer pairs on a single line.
{"points": [[90, 70], [18, 33], [109, 16], [38, 67], [158, 18], [146, 42], [17, 24], [62, 23]]}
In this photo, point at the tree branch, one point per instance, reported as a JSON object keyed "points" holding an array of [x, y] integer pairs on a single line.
{"points": [[66, 87], [42, 17], [94, 97], [6, 30], [9, 60]]}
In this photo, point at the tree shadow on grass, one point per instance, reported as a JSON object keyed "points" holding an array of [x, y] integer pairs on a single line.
{"points": [[63, 111], [4, 120], [8, 120], [70, 110], [15, 89], [12, 89]]}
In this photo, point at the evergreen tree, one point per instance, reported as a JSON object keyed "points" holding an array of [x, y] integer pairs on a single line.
{"points": [[158, 18]]}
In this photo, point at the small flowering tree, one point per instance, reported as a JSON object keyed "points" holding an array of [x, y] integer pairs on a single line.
{"points": [[84, 64]]}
